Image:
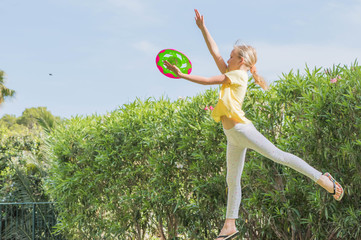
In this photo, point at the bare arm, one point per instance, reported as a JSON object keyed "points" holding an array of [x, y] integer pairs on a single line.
{"points": [[220, 79], [211, 44]]}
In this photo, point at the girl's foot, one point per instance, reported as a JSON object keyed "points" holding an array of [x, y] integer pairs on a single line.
{"points": [[338, 191], [226, 232], [331, 185]]}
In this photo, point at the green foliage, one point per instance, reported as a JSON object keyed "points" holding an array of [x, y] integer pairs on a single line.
{"points": [[32, 117], [22, 167], [22, 149], [143, 167], [157, 168], [4, 91], [318, 120], [22, 171]]}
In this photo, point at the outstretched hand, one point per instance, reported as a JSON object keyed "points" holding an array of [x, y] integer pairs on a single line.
{"points": [[173, 68], [199, 19]]}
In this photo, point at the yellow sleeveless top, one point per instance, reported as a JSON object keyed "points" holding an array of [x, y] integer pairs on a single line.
{"points": [[231, 97]]}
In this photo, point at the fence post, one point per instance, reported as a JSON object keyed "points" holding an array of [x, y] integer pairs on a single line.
{"points": [[1, 221], [33, 221]]}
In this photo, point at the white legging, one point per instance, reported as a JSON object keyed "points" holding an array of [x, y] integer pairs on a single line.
{"points": [[243, 136]]}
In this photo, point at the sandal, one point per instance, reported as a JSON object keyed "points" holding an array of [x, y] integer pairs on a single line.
{"points": [[335, 185], [225, 237]]}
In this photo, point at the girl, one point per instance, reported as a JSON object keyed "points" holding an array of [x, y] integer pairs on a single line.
{"points": [[240, 132]]}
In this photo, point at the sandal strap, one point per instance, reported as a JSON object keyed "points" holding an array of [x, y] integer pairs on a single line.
{"points": [[225, 236], [334, 186]]}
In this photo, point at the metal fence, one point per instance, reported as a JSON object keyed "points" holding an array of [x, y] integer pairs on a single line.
{"points": [[32, 220]]}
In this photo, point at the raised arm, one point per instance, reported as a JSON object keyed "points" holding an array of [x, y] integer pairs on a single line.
{"points": [[211, 44]]}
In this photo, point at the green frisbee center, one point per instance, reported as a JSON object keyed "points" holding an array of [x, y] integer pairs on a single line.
{"points": [[174, 61]]}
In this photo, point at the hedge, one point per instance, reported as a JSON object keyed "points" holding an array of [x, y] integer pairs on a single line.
{"points": [[156, 168]]}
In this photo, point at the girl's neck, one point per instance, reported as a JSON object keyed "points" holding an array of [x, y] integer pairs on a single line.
{"points": [[242, 67]]}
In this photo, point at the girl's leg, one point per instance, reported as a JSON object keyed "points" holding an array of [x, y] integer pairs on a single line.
{"points": [[256, 141], [250, 137], [235, 163]]}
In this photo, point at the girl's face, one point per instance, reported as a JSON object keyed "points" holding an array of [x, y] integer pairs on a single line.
{"points": [[234, 62]]}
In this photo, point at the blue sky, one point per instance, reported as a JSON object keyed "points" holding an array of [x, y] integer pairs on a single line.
{"points": [[102, 53]]}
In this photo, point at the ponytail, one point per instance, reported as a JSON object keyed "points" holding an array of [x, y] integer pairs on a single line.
{"points": [[258, 79]]}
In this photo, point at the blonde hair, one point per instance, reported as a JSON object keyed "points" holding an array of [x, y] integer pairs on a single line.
{"points": [[249, 55]]}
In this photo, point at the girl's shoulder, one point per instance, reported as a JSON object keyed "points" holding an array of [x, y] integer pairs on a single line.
{"points": [[237, 76]]}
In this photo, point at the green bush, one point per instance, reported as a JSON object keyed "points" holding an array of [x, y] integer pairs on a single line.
{"points": [[22, 171], [22, 167], [157, 168], [319, 121]]}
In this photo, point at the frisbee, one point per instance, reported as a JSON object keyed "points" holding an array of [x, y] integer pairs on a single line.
{"points": [[174, 57]]}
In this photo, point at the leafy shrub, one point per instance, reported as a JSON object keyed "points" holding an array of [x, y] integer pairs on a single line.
{"points": [[157, 168], [22, 167], [22, 171]]}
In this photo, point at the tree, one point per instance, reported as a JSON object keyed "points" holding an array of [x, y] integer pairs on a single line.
{"points": [[38, 116], [4, 91], [8, 120]]}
